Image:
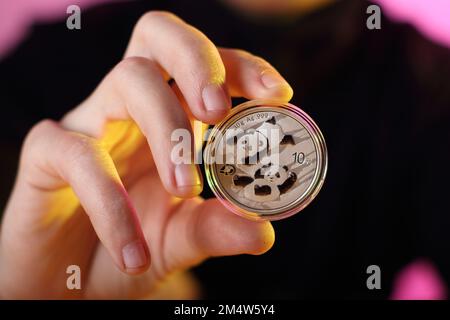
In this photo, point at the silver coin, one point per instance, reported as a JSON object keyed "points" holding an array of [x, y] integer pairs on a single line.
{"points": [[266, 160]]}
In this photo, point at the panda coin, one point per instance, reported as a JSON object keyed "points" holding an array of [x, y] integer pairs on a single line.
{"points": [[266, 160]]}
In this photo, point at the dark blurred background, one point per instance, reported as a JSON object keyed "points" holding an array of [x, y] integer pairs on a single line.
{"points": [[381, 98]]}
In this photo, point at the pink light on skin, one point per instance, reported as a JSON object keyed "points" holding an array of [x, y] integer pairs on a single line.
{"points": [[419, 280]]}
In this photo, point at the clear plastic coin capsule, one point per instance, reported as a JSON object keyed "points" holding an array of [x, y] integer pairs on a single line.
{"points": [[266, 160]]}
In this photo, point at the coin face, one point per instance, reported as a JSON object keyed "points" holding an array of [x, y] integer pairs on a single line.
{"points": [[266, 160]]}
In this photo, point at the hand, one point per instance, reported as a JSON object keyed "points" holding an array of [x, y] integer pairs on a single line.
{"points": [[99, 190]]}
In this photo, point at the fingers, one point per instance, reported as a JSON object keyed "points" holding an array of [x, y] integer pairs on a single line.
{"points": [[198, 67], [54, 158], [221, 233], [252, 77], [199, 231], [136, 90], [189, 57]]}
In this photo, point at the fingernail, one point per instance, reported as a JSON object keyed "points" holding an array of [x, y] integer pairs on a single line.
{"points": [[214, 98], [271, 80], [186, 175], [134, 255]]}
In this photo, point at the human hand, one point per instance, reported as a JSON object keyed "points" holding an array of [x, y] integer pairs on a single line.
{"points": [[99, 190]]}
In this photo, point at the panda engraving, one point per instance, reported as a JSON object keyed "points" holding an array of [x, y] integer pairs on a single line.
{"points": [[268, 183], [265, 179], [254, 144]]}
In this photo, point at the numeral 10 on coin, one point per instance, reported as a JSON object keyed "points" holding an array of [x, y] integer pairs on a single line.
{"points": [[299, 157]]}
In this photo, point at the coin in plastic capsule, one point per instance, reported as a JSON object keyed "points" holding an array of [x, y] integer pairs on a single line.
{"points": [[267, 160]]}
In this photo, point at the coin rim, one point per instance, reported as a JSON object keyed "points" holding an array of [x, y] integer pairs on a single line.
{"points": [[314, 187]]}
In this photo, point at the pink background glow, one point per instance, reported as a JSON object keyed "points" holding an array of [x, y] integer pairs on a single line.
{"points": [[430, 17], [419, 280], [17, 15]]}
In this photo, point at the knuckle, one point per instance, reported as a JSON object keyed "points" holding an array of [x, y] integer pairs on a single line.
{"points": [[149, 18], [131, 69], [159, 14], [39, 130], [199, 58], [131, 65], [192, 52]]}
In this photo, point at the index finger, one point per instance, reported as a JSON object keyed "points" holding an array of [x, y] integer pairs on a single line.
{"points": [[188, 56]]}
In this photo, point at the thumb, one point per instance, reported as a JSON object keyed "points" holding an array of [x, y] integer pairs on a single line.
{"points": [[202, 229]]}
